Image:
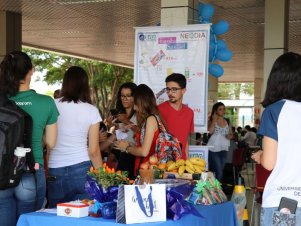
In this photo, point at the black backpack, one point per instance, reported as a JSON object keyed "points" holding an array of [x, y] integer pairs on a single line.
{"points": [[15, 131]]}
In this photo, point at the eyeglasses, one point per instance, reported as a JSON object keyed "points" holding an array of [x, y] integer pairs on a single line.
{"points": [[172, 89], [125, 97]]}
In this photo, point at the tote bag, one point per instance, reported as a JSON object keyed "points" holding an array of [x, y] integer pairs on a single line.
{"points": [[141, 203]]}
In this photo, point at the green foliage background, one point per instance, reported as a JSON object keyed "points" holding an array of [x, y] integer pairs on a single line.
{"points": [[104, 79], [233, 91]]}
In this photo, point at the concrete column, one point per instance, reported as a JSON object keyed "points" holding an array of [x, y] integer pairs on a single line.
{"points": [[257, 100], [182, 12], [10, 32], [275, 34], [212, 91], [179, 12]]}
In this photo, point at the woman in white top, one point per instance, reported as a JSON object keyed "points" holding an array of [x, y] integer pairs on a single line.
{"points": [[221, 134], [78, 140]]}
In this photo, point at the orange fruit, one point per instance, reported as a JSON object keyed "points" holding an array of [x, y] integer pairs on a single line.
{"points": [[162, 166]]}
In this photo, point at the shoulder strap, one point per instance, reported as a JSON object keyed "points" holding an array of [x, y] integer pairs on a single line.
{"points": [[228, 121], [160, 124], [3, 99]]}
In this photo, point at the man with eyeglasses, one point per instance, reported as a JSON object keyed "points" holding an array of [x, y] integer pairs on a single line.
{"points": [[179, 118]]}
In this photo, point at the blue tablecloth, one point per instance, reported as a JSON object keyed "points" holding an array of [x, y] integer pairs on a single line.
{"points": [[215, 215]]}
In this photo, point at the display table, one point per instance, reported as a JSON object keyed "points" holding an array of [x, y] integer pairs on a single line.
{"points": [[215, 215]]}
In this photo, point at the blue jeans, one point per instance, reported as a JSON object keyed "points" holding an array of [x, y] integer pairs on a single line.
{"points": [[67, 183], [266, 216], [22, 199], [217, 161]]}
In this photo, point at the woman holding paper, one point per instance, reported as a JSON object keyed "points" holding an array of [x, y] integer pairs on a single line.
{"points": [[127, 125], [146, 107]]}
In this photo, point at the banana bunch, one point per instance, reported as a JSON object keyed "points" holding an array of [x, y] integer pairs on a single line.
{"points": [[192, 165]]}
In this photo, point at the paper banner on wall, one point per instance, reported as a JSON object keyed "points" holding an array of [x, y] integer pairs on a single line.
{"points": [[160, 51]]}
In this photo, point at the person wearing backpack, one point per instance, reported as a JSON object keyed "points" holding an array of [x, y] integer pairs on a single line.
{"points": [[146, 112], [16, 70]]}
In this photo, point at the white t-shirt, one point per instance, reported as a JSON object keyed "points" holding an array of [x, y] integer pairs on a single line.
{"points": [[73, 123], [281, 122], [250, 138]]}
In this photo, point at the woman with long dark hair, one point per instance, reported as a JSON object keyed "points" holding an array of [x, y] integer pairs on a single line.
{"points": [[146, 110], [280, 126], [127, 118], [77, 146], [16, 70], [221, 133]]}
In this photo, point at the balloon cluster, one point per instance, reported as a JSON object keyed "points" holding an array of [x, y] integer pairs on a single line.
{"points": [[217, 47]]}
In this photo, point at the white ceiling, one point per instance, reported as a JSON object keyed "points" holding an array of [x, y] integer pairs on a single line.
{"points": [[103, 29]]}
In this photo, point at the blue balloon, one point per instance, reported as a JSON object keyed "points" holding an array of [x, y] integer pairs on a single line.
{"points": [[200, 6], [206, 11], [212, 45], [211, 56], [216, 70], [204, 21], [221, 44], [224, 54], [221, 27], [212, 37]]}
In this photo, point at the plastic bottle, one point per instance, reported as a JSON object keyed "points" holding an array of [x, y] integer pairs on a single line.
{"points": [[239, 200], [19, 159]]}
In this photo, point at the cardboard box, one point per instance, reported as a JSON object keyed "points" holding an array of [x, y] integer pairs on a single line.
{"points": [[72, 209], [187, 176]]}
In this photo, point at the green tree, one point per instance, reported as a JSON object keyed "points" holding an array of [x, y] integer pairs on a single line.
{"points": [[104, 79], [228, 91], [233, 90]]}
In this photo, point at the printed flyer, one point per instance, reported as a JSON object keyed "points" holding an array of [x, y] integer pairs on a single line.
{"points": [[161, 51]]}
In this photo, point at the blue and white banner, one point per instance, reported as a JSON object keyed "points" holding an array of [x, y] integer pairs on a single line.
{"points": [[160, 51]]}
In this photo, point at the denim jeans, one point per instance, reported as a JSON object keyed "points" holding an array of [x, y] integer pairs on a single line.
{"points": [[22, 199], [217, 161], [266, 216], [67, 183]]}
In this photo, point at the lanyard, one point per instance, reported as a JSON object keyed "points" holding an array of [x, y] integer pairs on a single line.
{"points": [[150, 200]]}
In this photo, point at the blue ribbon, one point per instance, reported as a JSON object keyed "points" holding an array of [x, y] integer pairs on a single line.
{"points": [[96, 191], [177, 206], [107, 209], [150, 200]]}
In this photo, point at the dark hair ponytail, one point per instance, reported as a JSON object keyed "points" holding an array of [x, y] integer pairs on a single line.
{"points": [[13, 68]]}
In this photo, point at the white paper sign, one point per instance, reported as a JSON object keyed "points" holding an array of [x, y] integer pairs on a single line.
{"points": [[160, 51], [149, 207], [199, 151], [120, 135]]}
